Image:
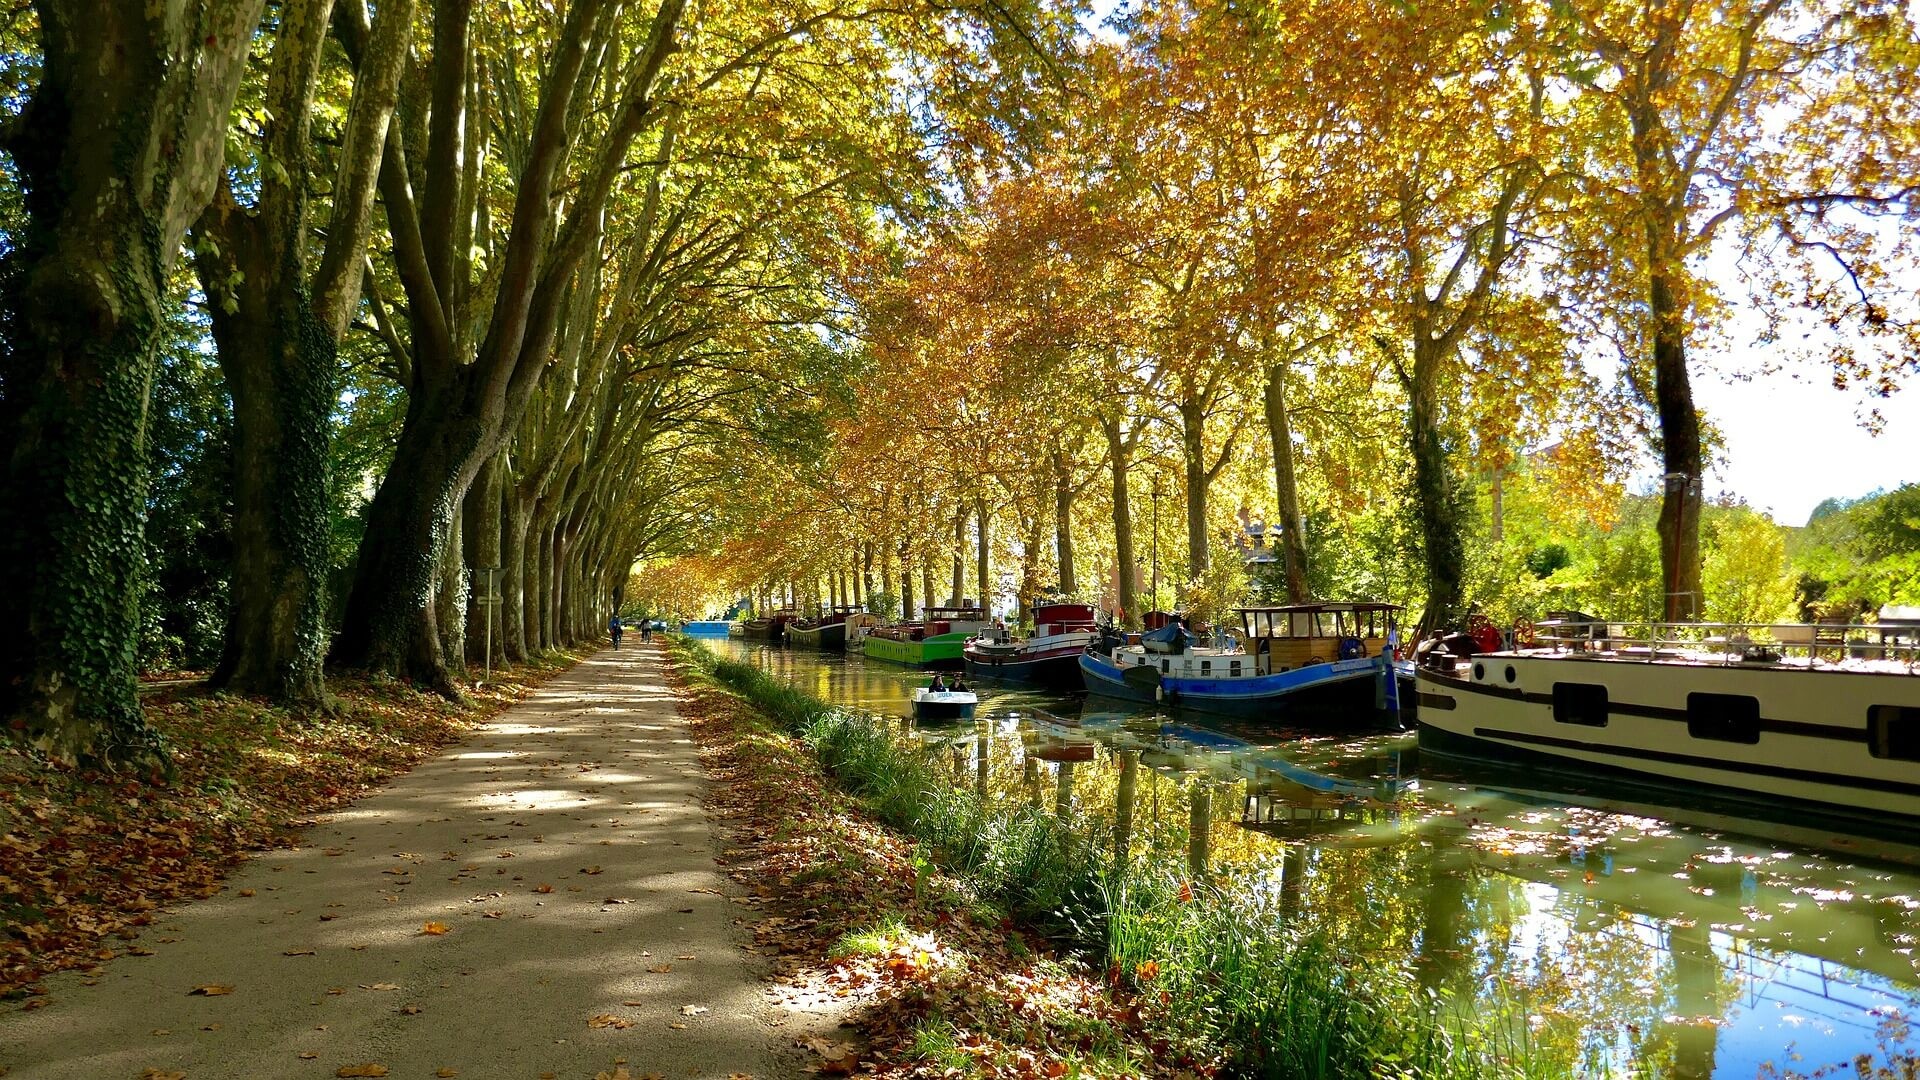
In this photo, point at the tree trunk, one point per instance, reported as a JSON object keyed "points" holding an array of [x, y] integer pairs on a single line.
{"points": [[481, 528], [1029, 565], [519, 574], [278, 364], [926, 584], [1680, 451], [1293, 536], [866, 572], [1193, 431], [1436, 494], [1117, 458], [391, 625], [959, 556], [1063, 495], [450, 598], [981, 554], [115, 154], [906, 587]]}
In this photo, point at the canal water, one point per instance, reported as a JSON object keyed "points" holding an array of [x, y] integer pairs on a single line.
{"points": [[1673, 943]]}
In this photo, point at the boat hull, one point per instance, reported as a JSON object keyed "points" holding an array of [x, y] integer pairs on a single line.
{"points": [[1057, 667], [943, 711], [1770, 739], [1342, 690], [706, 628], [939, 652], [826, 636]]}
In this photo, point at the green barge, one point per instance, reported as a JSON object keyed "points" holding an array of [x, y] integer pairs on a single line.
{"points": [[934, 643]]}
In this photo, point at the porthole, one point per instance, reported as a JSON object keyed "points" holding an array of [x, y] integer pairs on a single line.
{"points": [[1479, 672], [1511, 675]]}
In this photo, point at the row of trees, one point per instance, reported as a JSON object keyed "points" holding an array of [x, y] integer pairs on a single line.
{"points": [[1345, 262], [873, 298], [498, 259]]}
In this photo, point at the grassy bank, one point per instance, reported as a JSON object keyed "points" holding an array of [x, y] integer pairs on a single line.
{"points": [[1213, 970], [88, 857]]}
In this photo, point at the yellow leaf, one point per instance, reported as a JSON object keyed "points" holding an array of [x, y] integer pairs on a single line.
{"points": [[434, 929], [369, 1069], [211, 990]]}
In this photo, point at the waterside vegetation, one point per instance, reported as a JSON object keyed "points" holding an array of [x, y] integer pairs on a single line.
{"points": [[1211, 966]]}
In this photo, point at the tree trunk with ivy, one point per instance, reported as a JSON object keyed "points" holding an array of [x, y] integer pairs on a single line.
{"points": [[277, 324], [1438, 500], [117, 152]]}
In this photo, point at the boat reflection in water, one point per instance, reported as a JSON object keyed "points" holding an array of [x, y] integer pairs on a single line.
{"points": [[1668, 942]]}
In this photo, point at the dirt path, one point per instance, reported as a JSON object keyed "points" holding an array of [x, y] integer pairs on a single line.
{"points": [[565, 851]]}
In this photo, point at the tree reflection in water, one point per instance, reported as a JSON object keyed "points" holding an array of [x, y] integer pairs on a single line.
{"points": [[1614, 936]]}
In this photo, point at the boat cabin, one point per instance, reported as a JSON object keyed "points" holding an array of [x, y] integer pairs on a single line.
{"points": [[948, 620], [1295, 635]]}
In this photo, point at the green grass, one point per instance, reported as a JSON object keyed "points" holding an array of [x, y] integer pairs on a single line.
{"points": [[1278, 1001], [873, 941]]}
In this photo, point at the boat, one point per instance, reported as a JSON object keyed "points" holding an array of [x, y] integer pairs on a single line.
{"points": [[1816, 724], [706, 628], [771, 627], [944, 704], [1329, 660], [858, 627], [933, 643], [829, 631], [1049, 657]]}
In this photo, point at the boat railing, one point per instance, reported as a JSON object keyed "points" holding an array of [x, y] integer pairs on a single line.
{"points": [[1730, 643]]}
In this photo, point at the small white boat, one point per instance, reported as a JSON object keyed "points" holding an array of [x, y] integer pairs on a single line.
{"points": [[944, 704], [1807, 721]]}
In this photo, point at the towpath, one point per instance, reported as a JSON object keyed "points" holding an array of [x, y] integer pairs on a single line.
{"points": [[539, 900]]}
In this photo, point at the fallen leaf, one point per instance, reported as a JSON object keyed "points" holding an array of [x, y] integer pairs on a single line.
{"points": [[661, 969], [608, 1020], [298, 952], [543, 888], [409, 1010], [246, 892], [434, 929], [211, 990], [306, 1055], [382, 986], [445, 1072], [162, 1074], [371, 1068], [692, 1010], [590, 869]]}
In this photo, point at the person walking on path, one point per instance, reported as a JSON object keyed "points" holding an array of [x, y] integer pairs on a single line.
{"points": [[506, 909], [614, 627]]}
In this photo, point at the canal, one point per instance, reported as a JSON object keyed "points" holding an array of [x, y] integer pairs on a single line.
{"points": [[1673, 943]]}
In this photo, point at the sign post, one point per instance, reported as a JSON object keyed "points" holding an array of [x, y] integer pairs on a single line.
{"points": [[487, 594]]}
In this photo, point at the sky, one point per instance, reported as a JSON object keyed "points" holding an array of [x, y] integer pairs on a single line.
{"points": [[1790, 444]]}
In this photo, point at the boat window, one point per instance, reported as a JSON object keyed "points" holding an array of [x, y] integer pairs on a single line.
{"points": [[1724, 717], [1893, 731], [1206, 666], [1580, 703], [1163, 667], [1234, 668]]}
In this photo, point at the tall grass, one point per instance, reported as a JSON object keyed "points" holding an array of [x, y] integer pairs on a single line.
{"points": [[1231, 974]]}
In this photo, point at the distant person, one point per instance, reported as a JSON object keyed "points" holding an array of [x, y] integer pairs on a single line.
{"points": [[614, 628], [959, 685], [938, 685], [646, 629]]}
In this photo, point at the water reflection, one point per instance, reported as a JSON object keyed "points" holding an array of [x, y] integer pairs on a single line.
{"points": [[1677, 941]]}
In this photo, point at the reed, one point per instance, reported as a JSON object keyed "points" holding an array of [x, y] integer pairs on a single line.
{"points": [[1231, 977]]}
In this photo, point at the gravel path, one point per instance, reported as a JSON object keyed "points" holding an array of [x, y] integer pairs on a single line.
{"points": [[540, 900]]}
